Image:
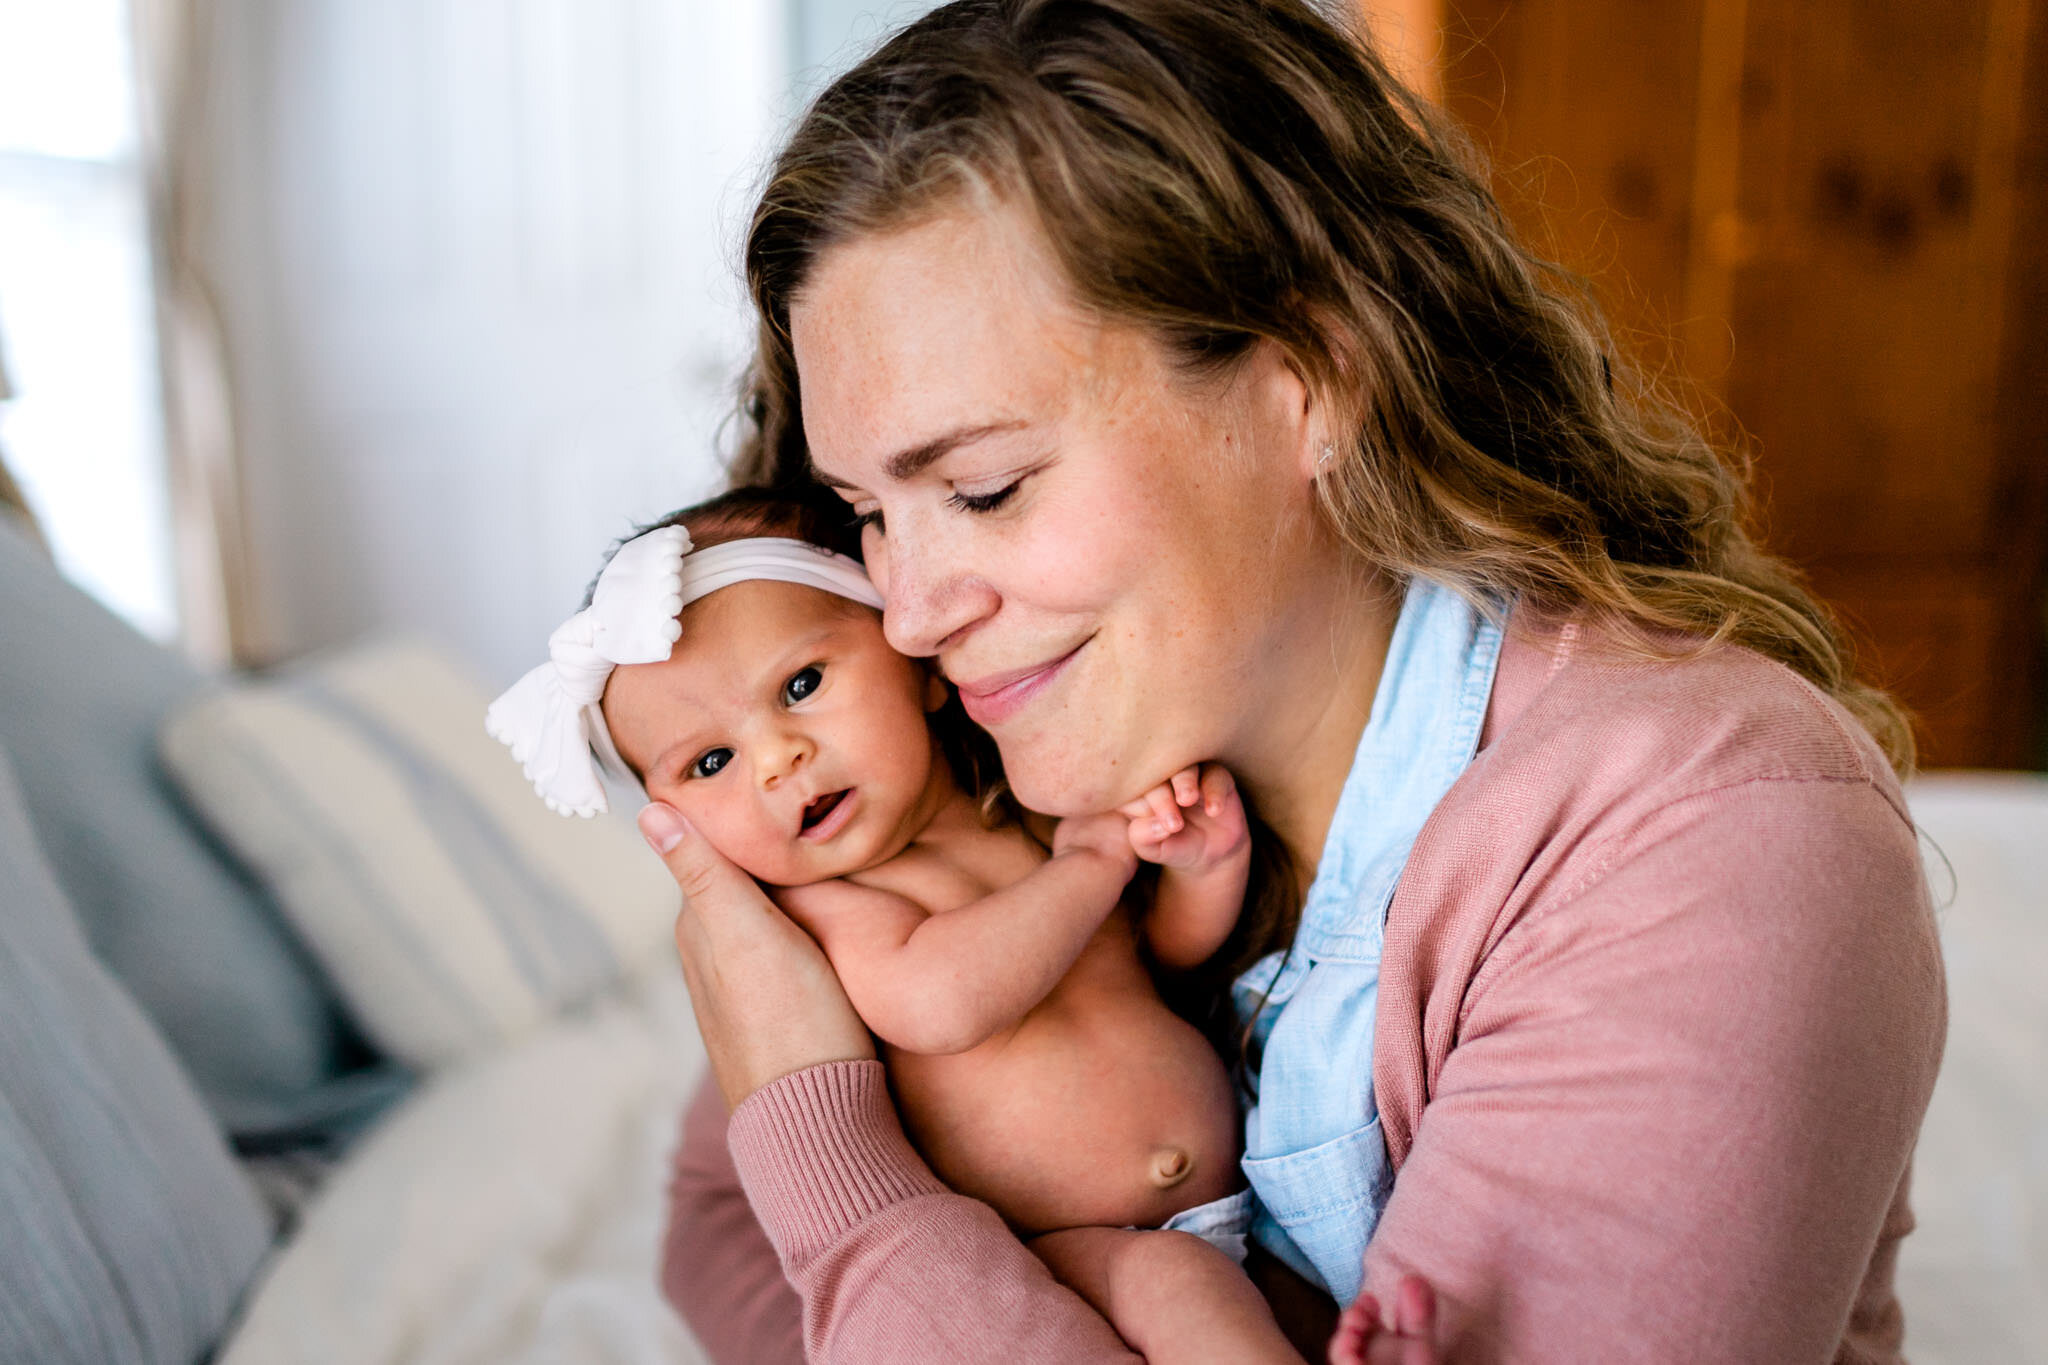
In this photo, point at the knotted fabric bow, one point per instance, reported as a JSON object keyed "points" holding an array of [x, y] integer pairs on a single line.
{"points": [[551, 718]]}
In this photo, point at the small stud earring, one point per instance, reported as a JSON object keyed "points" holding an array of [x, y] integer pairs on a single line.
{"points": [[1329, 449]]}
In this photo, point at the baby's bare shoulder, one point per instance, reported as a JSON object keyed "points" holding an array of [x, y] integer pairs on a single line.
{"points": [[841, 898]]}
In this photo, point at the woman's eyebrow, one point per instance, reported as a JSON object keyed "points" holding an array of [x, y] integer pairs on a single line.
{"points": [[909, 463]]}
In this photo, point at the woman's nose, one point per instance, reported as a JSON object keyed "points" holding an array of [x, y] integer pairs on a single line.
{"points": [[929, 592]]}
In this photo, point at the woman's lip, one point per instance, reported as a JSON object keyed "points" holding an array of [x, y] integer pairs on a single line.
{"points": [[994, 699], [835, 821]]}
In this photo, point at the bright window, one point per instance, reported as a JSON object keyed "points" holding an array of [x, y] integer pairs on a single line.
{"points": [[83, 433]]}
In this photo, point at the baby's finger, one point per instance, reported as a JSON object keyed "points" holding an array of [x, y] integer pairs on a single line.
{"points": [[1163, 808], [1184, 849], [1187, 786], [1144, 836], [1217, 785]]}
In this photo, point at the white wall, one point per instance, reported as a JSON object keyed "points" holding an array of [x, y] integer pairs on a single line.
{"points": [[826, 36], [477, 266]]}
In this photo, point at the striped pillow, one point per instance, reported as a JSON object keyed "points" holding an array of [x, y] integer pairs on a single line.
{"points": [[126, 1232], [453, 910]]}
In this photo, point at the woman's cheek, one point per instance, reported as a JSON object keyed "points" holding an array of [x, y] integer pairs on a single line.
{"points": [[1079, 554]]}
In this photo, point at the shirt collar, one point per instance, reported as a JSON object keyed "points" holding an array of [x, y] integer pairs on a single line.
{"points": [[1427, 714]]}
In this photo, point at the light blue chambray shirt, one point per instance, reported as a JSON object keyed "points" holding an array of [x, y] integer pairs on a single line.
{"points": [[1314, 1153]]}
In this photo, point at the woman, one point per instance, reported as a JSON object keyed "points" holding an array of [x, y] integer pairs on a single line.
{"points": [[1199, 406]]}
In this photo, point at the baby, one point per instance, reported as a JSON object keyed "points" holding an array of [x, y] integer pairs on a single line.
{"points": [[738, 671]]}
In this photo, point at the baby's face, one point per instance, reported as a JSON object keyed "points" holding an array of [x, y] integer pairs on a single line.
{"points": [[786, 730]]}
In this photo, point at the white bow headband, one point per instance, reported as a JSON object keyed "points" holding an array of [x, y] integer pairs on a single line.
{"points": [[551, 719]]}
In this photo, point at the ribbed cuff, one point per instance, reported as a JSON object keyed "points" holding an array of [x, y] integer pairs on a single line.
{"points": [[821, 1149]]}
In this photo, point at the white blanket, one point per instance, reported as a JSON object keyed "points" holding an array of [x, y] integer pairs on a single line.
{"points": [[509, 1214]]}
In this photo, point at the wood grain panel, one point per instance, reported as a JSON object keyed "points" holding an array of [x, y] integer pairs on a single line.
{"points": [[1937, 642], [1834, 206], [1887, 364], [1866, 355], [1589, 109]]}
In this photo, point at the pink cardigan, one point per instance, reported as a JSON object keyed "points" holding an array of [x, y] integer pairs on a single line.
{"points": [[1661, 1009]]}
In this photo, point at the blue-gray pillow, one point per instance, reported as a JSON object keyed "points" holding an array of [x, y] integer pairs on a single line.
{"points": [[127, 1233], [196, 943]]}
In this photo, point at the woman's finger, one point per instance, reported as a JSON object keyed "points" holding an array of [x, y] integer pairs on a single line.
{"points": [[698, 868], [766, 1000]]}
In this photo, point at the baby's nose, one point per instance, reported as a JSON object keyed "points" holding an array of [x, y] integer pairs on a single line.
{"points": [[787, 759]]}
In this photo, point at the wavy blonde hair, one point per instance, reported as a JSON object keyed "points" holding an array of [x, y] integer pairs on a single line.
{"points": [[1226, 172]]}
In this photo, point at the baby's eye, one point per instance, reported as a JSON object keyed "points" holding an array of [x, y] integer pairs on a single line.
{"points": [[801, 685], [709, 762]]}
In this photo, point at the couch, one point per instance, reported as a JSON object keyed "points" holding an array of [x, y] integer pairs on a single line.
{"points": [[320, 1039]]}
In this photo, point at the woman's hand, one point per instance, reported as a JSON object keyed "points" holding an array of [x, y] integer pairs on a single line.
{"points": [[767, 1001]]}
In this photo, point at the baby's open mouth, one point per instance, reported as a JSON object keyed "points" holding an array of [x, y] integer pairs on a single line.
{"points": [[817, 812]]}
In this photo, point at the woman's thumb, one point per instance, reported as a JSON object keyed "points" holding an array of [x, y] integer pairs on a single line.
{"points": [[690, 860], [662, 826]]}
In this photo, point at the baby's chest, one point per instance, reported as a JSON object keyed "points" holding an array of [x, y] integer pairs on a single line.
{"points": [[937, 884]]}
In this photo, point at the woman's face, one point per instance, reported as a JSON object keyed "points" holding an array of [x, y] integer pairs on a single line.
{"points": [[1106, 555]]}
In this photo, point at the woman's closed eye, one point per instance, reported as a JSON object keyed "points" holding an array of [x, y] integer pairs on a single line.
{"points": [[709, 763], [801, 684], [870, 516], [983, 502]]}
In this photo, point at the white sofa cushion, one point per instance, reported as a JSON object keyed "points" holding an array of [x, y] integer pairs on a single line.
{"points": [[452, 908]]}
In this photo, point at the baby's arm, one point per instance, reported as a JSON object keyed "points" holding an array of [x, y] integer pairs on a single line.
{"points": [[1170, 1295], [948, 982], [1194, 827]]}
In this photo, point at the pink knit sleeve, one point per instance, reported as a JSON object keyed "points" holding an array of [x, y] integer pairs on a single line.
{"points": [[889, 1264], [1682, 1094], [717, 1267]]}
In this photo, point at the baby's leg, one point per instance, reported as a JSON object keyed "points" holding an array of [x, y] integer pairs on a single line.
{"points": [[1171, 1295]]}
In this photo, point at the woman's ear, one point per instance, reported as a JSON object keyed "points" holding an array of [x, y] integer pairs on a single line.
{"points": [[1317, 443], [1283, 400], [935, 692], [1324, 420]]}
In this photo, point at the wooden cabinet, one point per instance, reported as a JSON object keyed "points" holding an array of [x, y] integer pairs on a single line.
{"points": [[1829, 220]]}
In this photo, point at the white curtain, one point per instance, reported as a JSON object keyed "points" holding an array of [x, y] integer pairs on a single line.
{"points": [[11, 500], [216, 594]]}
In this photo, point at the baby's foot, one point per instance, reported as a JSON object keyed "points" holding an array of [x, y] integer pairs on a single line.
{"points": [[1405, 1337]]}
